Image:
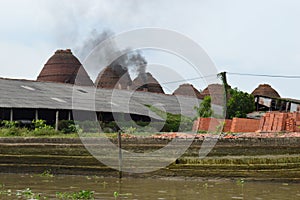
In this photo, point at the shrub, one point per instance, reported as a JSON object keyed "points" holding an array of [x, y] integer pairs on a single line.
{"points": [[107, 130], [41, 124], [109, 127], [67, 126], [88, 126], [41, 128], [204, 109], [240, 104], [9, 124]]}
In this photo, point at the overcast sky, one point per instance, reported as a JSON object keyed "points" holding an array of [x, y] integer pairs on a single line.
{"points": [[250, 36]]}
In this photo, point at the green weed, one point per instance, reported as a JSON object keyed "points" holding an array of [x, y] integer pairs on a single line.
{"points": [[83, 194]]}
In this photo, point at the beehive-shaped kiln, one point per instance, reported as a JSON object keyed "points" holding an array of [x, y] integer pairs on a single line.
{"points": [[188, 90], [265, 90], [64, 67], [110, 78], [146, 82]]}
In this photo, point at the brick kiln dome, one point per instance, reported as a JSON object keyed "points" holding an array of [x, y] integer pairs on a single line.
{"points": [[109, 78], [188, 90], [64, 67], [147, 83], [218, 93], [265, 90]]}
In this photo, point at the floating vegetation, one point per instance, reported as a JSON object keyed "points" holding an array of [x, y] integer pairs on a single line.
{"points": [[104, 184], [62, 187], [28, 194], [47, 173], [83, 194], [117, 194], [205, 185], [240, 181], [4, 191]]}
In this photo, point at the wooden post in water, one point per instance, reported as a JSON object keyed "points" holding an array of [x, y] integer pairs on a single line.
{"points": [[120, 154]]}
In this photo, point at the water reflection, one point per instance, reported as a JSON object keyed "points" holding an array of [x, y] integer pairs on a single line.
{"points": [[143, 189]]}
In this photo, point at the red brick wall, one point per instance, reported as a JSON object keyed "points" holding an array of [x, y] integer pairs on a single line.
{"points": [[227, 125], [207, 124], [240, 125], [211, 124]]}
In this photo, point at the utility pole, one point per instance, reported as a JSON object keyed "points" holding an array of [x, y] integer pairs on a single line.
{"points": [[120, 154], [223, 78]]}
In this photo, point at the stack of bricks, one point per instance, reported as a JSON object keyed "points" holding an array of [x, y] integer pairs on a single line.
{"points": [[297, 129], [273, 122], [277, 122], [297, 117], [240, 125], [293, 122], [291, 125]]}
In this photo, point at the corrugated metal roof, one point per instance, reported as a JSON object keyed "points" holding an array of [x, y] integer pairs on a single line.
{"points": [[33, 94], [297, 101]]}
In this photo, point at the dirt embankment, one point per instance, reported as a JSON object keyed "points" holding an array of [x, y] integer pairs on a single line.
{"points": [[256, 157]]}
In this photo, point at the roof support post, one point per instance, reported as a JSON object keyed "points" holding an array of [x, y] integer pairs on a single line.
{"points": [[36, 114], [11, 115], [288, 109], [99, 116], [56, 120], [69, 115]]}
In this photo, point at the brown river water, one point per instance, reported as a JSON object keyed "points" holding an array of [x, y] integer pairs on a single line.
{"points": [[147, 188]]}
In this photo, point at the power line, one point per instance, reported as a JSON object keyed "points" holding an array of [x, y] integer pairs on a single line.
{"points": [[189, 79], [264, 75], [234, 73]]}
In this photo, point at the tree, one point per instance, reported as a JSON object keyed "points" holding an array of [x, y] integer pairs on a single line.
{"points": [[240, 104], [204, 109]]}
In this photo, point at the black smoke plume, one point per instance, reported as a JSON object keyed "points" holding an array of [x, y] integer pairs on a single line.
{"points": [[131, 59]]}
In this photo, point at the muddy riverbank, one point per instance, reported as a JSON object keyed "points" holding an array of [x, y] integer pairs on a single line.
{"points": [[252, 158]]}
